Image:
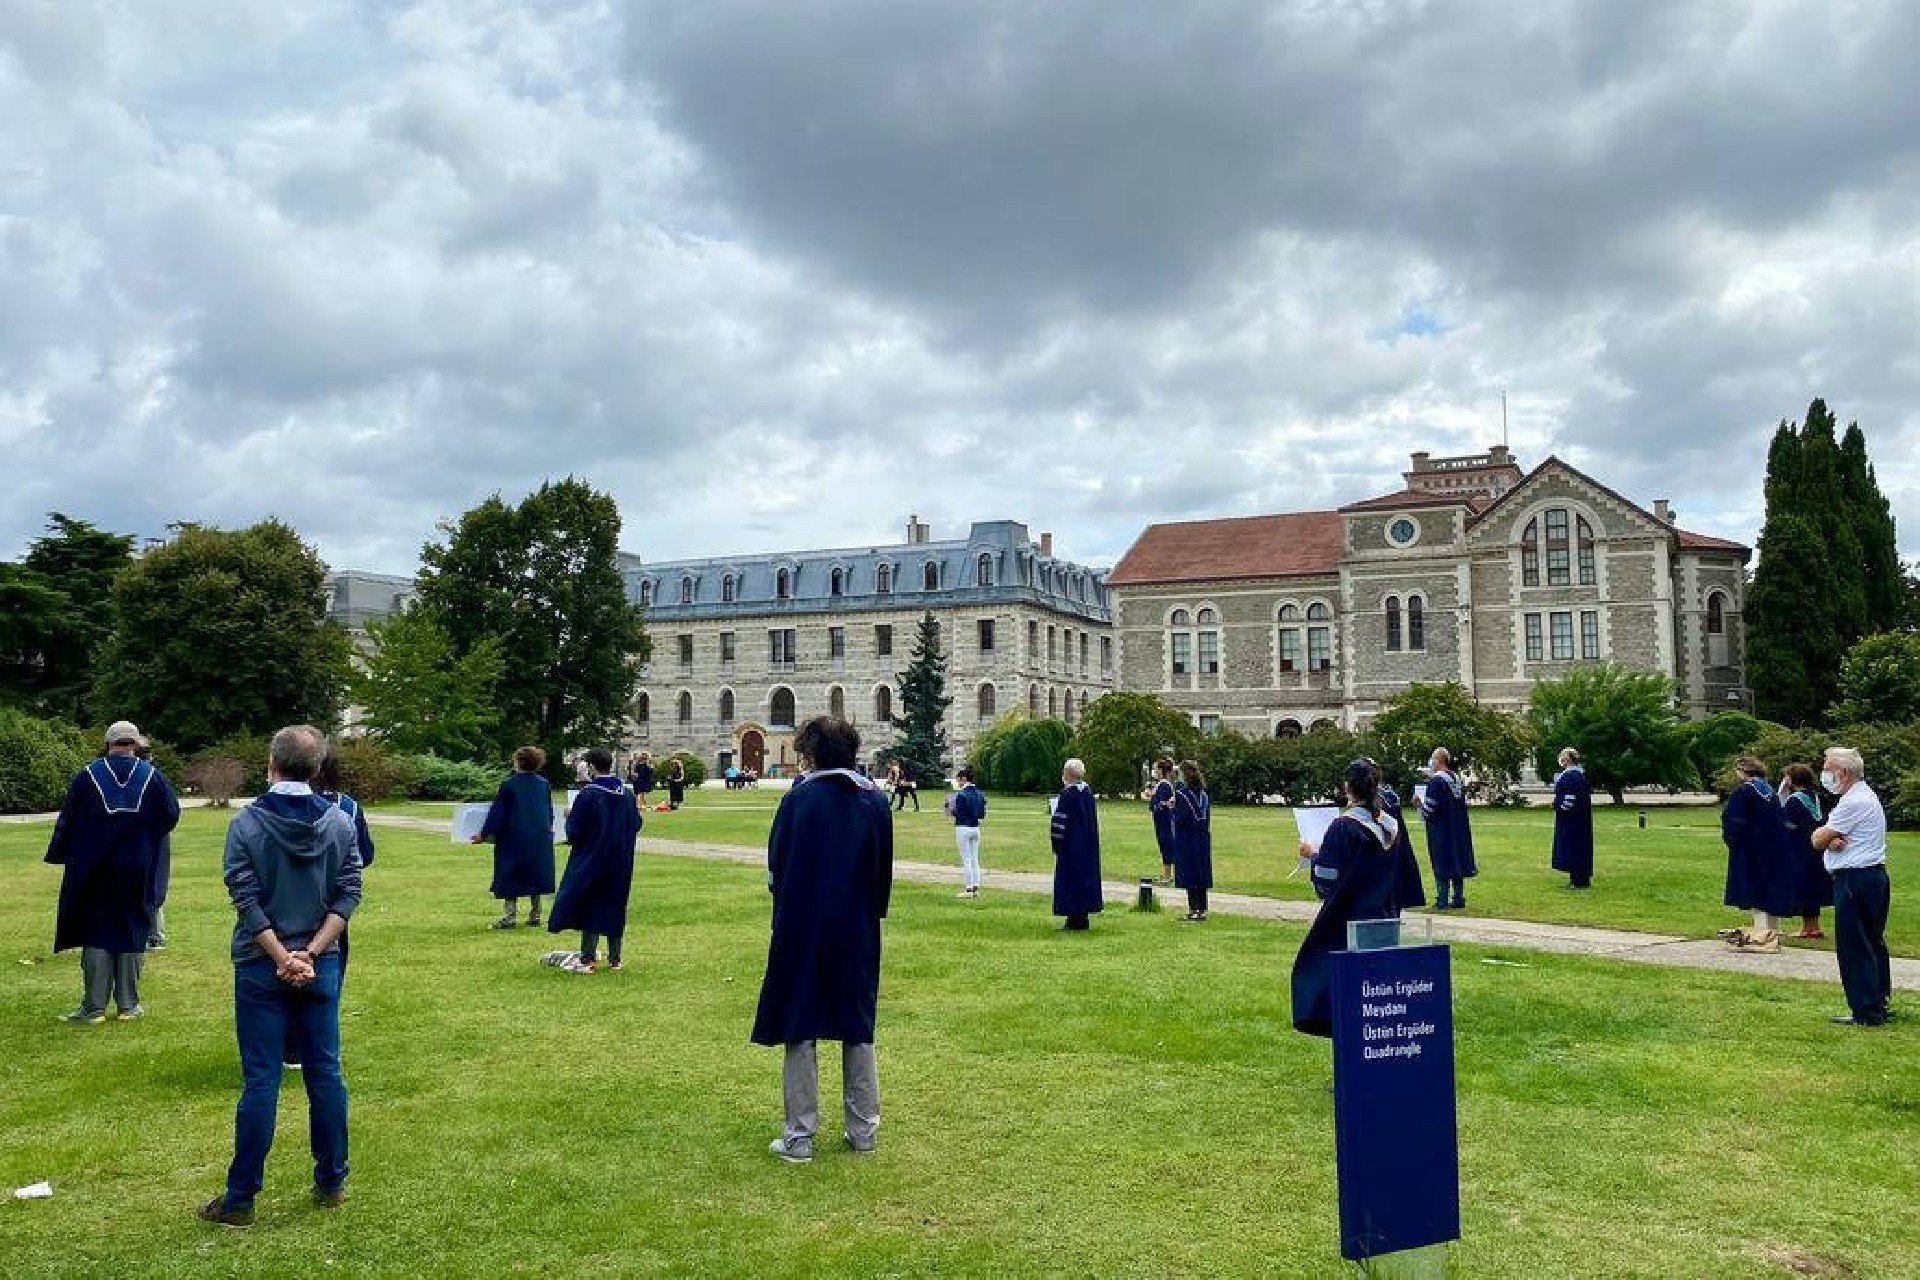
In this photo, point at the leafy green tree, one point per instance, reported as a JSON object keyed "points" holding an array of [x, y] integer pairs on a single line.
{"points": [[541, 580], [1719, 739], [1488, 746], [418, 697], [1793, 642], [923, 702], [1880, 681], [1622, 722], [1122, 733], [1020, 753], [221, 632], [58, 609]]}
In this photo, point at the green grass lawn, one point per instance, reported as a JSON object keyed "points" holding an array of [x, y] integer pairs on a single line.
{"points": [[1667, 878], [1125, 1102]]}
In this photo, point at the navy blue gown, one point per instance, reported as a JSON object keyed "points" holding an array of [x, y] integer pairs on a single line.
{"points": [[1075, 833], [1163, 819], [1356, 874], [602, 827], [1449, 838], [1762, 874], [1408, 889], [1573, 825], [110, 838], [520, 824], [830, 870], [1800, 817], [1192, 839]]}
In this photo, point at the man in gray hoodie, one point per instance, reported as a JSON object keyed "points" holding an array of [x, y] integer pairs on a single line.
{"points": [[293, 872]]}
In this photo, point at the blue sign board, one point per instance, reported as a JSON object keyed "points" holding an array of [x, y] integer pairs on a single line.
{"points": [[1393, 1105]]}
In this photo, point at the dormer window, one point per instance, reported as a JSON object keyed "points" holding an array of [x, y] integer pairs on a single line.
{"points": [[883, 580], [686, 590], [984, 571], [930, 577], [783, 585]]}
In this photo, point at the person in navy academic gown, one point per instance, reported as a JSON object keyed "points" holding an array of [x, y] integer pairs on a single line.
{"points": [[109, 840], [1449, 837], [1356, 874], [1409, 890], [1075, 831], [1193, 840], [519, 822], [1160, 803], [1800, 816], [1573, 821], [830, 871], [1762, 874], [602, 828]]}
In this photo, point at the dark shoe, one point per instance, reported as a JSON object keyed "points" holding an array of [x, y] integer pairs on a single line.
{"points": [[505, 922], [1459, 904], [533, 921], [84, 1018], [156, 944], [858, 1148], [1852, 1020], [217, 1212], [329, 1197], [1194, 917], [792, 1150], [1440, 904], [138, 1011]]}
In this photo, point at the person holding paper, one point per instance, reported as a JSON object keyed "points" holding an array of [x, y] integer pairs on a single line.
{"points": [[1075, 833], [1193, 840], [520, 824], [1160, 802], [602, 828], [1449, 838], [1355, 875], [1573, 821]]}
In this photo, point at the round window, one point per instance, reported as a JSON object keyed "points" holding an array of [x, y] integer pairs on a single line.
{"points": [[1402, 532]]}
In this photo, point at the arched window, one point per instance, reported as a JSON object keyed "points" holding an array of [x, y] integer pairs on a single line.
{"points": [[837, 702], [1180, 642], [686, 590], [1287, 648], [1583, 545], [1716, 629], [983, 573], [1053, 703], [838, 583], [783, 585], [930, 577], [726, 589], [726, 706], [1066, 707], [883, 704], [1416, 622], [1557, 547], [1033, 699], [1287, 729], [1083, 704], [986, 702], [1208, 639], [1530, 554], [883, 580], [1392, 605], [1319, 638], [780, 708], [646, 591], [685, 711], [643, 709]]}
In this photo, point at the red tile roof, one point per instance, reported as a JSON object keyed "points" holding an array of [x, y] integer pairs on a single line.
{"points": [[1410, 498], [1283, 546], [1707, 542]]}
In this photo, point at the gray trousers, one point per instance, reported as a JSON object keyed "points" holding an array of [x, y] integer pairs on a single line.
{"points": [[860, 1092], [110, 973]]}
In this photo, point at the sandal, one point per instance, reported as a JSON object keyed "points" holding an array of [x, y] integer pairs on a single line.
{"points": [[1811, 933]]}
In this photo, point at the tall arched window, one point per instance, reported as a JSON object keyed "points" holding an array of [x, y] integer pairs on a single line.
{"points": [[1392, 606], [780, 708], [686, 590], [1287, 729], [883, 704], [643, 709], [1288, 647], [783, 585], [986, 702], [983, 571], [1180, 642], [1066, 707], [646, 591], [1208, 639], [685, 710], [1083, 704], [1033, 699], [930, 577], [837, 702], [883, 580], [837, 585], [1558, 556], [1530, 554], [1716, 629], [1053, 703], [726, 589], [1319, 638], [726, 706], [1583, 545], [1416, 622]]}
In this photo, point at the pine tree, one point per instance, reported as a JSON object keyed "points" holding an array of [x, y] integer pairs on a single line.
{"points": [[923, 697], [1873, 527]]}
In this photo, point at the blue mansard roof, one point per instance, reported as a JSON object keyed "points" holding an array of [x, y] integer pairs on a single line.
{"points": [[995, 563]]}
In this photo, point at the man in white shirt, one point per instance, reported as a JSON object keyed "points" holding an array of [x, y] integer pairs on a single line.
{"points": [[1853, 844]]}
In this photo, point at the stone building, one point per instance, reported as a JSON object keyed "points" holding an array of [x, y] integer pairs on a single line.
{"points": [[1473, 572], [747, 647]]}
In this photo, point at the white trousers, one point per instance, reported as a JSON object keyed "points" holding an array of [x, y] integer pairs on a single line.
{"points": [[968, 838]]}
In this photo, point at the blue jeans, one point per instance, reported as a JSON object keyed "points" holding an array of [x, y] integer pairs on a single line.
{"points": [[265, 1011]]}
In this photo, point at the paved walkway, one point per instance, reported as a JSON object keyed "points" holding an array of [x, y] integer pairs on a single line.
{"points": [[1802, 963]]}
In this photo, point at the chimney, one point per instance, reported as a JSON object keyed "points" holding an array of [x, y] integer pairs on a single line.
{"points": [[1663, 512], [1046, 545], [916, 531]]}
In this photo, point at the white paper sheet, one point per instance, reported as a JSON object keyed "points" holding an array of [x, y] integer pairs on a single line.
{"points": [[1313, 822], [467, 821], [1419, 794]]}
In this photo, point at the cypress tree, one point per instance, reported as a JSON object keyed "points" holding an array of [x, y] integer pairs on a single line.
{"points": [[1794, 645], [1873, 527]]}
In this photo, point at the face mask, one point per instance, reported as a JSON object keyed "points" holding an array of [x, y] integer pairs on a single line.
{"points": [[1828, 781]]}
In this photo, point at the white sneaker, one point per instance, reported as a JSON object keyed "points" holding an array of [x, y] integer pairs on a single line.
{"points": [[574, 964]]}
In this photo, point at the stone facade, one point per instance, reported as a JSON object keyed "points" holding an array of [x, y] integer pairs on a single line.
{"points": [[1475, 573], [745, 648]]}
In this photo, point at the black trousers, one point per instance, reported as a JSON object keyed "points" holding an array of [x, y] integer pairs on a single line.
{"points": [[1862, 898], [1197, 901]]}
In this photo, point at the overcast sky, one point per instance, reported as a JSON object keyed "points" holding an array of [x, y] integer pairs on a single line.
{"points": [[777, 274]]}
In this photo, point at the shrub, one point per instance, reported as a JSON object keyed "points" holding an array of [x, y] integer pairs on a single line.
{"points": [[696, 767], [250, 750], [1027, 757], [37, 760], [370, 773], [217, 778], [436, 778], [1713, 744]]}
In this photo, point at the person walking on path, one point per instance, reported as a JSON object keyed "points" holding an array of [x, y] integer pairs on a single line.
{"points": [[1355, 875], [830, 871], [1449, 837], [1800, 816], [1075, 834], [1160, 803], [968, 807], [109, 842], [1573, 821], [1193, 840], [905, 788], [602, 827], [1761, 875], [1854, 841], [519, 822], [292, 869]]}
